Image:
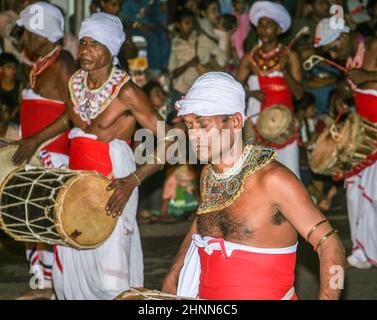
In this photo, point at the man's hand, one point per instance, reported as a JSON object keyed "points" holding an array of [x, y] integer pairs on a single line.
{"points": [[257, 94], [358, 76], [27, 148], [123, 190], [169, 285]]}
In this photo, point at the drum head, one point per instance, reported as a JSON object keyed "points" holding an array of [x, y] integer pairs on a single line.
{"points": [[7, 166], [324, 155], [274, 121], [147, 294], [80, 216]]}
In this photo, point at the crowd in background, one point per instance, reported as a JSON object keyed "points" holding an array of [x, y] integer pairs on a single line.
{"points": [[169, 45]]}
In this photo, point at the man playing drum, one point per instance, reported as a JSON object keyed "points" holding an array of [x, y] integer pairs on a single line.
{"points": [[360, 56], [276, 73], [104, 108], [44, 101], [242, 244]]}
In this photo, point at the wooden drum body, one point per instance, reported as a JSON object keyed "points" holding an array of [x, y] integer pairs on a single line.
{"points": [[56, 207]]}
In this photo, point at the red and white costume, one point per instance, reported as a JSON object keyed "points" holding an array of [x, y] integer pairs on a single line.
{"points": [[104, 272], [216, 269], [276, 91], [361, 186]]}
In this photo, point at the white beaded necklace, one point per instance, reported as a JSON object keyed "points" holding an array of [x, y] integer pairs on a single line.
{"points": [[89, 104]]}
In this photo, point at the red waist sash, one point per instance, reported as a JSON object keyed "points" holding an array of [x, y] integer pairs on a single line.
{"points": [[276, 91], [89, 154], [37, 115], [366, 106], [246, 275]]}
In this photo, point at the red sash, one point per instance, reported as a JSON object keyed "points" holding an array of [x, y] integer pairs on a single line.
{"points": [[276, 91], [38, 114], [89, 154], [246, 275], [366, 106]]}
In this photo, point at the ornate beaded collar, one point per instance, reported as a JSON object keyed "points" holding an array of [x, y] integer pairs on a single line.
{"points": [[220, 191], [266, 62], [89, 104]]}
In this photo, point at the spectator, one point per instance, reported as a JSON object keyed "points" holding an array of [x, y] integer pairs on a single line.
{"points": [[243, 27], [10, 96], [369, 28], [146, 20], [157, 95]]}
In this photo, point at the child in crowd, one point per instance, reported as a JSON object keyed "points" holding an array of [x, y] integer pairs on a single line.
{"points": [[243, 27], [10, 97], [157, 95], [225, 28], [183, 57]]}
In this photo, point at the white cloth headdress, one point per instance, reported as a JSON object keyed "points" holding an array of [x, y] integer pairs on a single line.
{"points": [[105, 28], [271, 10], [326, 33], [214, 93], [43, 19]]}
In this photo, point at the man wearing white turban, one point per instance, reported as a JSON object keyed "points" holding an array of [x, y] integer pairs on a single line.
{"points": [[42, 103], [273, 73], [242, 244], [360, 56], [104, 107]]}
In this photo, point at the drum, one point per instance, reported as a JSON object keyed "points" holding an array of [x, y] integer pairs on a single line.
{"points": [[323, 154], [7, 150], [358, 140], [146, 294], [276, 124], [56, 206]]}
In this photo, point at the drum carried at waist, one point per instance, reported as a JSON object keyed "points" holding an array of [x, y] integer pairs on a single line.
{"points": [[147, 294], [58, 207], [276, 125], [343, 146]]}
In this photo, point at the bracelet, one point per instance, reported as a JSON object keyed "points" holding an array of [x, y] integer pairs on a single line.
{"points": [[137, 178], [331, 233], [315, 227]]}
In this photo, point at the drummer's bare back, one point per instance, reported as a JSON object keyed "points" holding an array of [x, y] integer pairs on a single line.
{"points": [[119, 119]]}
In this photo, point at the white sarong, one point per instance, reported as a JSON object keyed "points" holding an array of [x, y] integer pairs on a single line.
{"points": [[115, 266]]}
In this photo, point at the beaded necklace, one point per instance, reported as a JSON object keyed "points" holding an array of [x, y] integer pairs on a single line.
{"points": [[89, 104], [266, 62], [220, 191]]}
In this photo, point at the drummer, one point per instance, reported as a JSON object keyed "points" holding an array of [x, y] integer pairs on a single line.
{"points": [[42, 103], [275, 72], [104, 121], [242, 244], [359, 54]]}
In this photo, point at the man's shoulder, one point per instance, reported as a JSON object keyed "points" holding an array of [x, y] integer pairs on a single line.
{"points": [[128, 90], [273, 174], [66, 62]]}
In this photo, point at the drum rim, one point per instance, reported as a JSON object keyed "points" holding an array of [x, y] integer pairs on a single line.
{"points": [[59, 208]]}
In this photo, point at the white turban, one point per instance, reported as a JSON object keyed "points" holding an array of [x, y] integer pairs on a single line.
{"points": [[214, 93], [43, 19], [325, 33], [105, 28], [271, 10]]}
